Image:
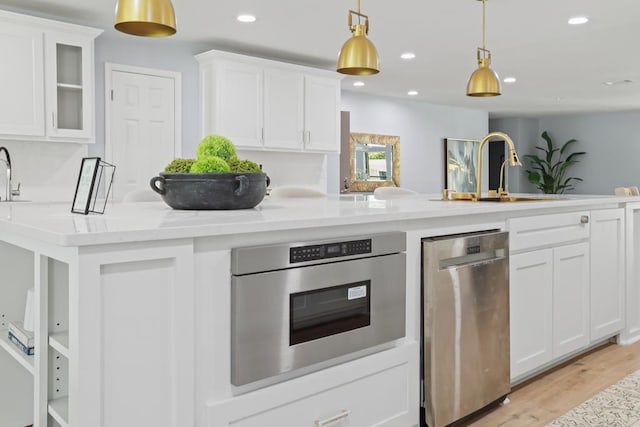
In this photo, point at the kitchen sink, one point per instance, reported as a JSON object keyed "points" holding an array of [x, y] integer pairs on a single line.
{"points": [[517, 199]]}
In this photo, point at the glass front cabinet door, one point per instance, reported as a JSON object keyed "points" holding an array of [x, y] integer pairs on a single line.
{"points": [[69, 74]]}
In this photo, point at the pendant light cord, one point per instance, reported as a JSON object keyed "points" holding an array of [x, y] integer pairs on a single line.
{"points": [[483, 24]]}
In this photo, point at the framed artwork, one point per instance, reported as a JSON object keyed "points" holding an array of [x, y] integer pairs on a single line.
{"points": [[460, 164], [95, 177]]}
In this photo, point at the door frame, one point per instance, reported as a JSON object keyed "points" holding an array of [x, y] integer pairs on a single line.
{"points": [[109, 68]]}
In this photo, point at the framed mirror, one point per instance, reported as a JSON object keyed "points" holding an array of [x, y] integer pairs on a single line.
{"points": [[374, 161]]}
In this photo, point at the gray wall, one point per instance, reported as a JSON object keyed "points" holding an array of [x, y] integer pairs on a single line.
{"points": [[421, 128], [525, 136], [611, 140], [161, 53]]}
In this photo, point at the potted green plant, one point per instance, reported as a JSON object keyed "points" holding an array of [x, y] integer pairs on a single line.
{"points": [[548, 173], [215, 179]]}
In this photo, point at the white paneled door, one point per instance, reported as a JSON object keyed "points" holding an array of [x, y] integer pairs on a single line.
{"points": [[142, 125]]}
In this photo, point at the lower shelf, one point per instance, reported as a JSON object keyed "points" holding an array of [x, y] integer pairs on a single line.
{"points": [[59, 411], [60, 342], [25, 360]]}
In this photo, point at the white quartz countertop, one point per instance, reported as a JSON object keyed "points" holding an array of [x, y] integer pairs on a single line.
{"points": [[143, 221]]}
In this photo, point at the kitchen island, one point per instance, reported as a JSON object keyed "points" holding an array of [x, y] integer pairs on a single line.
{"points": [[134, 305]]}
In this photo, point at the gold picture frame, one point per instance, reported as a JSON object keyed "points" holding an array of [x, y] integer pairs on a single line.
{"points": [[374, 161]]}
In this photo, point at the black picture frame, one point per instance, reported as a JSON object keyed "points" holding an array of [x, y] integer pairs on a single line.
{"points": [[85, 185]]}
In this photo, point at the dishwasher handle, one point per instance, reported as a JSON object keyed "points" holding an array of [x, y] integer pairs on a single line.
{"points": [[472, 260]]}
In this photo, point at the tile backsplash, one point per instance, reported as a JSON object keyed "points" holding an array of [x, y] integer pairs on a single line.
{"points": [[291, 168], [47, 171]]}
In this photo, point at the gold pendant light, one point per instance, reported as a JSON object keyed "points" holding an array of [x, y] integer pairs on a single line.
{"points": [[147, 18], [483, 81], [358, 55]]}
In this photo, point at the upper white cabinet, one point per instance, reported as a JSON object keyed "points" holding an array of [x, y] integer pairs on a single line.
{"points": [[322, 114], [69, 72], [269, 105], [48, 85], [284, 97], [21, 79]]}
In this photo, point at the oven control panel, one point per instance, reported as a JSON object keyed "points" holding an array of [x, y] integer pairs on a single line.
{"points": [[329, 250]]}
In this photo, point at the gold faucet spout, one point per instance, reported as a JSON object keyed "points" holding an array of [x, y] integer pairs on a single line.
{"points": [[513, 157]]}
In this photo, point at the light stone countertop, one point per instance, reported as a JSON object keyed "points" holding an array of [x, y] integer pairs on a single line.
{"points": [[53, 223]]}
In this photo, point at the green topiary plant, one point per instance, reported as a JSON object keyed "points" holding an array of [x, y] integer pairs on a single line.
{"points": [[211, 164], [179, 166], [548, 174], [215, 145], [243, 166]]}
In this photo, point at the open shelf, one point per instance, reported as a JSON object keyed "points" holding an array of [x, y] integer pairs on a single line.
{"points": [[60, 342], [25, 360], [59, 411]]}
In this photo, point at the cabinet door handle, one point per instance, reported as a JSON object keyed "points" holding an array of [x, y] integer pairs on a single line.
{"points": [[341, 416], [309, 137], [584, 219], [53, 119]]}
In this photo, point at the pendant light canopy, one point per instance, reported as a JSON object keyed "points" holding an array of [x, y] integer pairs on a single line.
{"points": [[147, 18], [484, 81], [358, 55]]}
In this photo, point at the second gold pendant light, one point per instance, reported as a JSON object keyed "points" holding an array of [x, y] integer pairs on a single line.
{"points": [[358, 55], [484, 81], [147, 18]]}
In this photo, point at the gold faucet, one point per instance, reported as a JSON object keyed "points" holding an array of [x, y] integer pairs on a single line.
{"points": [[513, 158]]}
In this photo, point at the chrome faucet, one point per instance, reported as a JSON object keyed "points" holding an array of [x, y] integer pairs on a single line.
{"points": [[10, 191], [513, 158]]}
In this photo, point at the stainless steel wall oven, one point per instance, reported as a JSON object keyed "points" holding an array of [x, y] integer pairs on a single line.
{"points": [[295, 305]]}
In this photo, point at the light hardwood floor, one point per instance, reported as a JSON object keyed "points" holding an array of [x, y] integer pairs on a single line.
{"points": [[544, 398]]}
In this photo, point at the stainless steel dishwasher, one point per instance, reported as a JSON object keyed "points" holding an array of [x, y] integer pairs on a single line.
{"points": [[465, 309]]}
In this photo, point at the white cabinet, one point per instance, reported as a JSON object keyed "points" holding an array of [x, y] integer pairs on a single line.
{"points": [[322, 114], [607, 272], [549, 289], [531, 310], [631, 332], [269, 105], [69, 83], [570, 298], [238, 103], [377, 390], [284, 118], [21, 79], [549, 301], [48, 86]]}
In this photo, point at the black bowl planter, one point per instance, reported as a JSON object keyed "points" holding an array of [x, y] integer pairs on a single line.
{"points": [[203, 191]]}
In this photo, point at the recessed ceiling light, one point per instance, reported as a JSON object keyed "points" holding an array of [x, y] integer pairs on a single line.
{"points": [[578, 20], [412, 93], [246, 18], [509, 80], [358, 84], [618, 82], [408, 55]]}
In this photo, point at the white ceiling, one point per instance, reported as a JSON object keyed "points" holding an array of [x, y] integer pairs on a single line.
{"points": [[560, 68]]}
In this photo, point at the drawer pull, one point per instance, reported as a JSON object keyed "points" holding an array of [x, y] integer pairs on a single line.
{"points": [[584, 219], [341, 416]]}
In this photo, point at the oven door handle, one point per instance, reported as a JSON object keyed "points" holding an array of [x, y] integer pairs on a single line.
{"points": [[341, 416]]}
